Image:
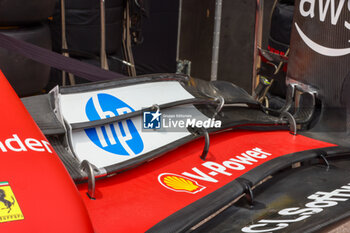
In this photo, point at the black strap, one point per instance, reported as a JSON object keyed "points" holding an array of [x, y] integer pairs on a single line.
{"points": [[56, 60]]}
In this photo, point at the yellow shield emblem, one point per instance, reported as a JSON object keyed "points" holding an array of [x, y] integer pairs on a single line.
{"points": [[9, 207]]}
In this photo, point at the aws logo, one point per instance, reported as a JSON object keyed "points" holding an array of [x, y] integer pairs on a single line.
{"points": [[328, 11], [120, 138]]}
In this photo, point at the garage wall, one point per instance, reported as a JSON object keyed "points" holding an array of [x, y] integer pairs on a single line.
{"points": [[236, 42], [157, 54]]}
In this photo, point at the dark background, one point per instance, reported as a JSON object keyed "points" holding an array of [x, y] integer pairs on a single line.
{"points": [[157, 54]]}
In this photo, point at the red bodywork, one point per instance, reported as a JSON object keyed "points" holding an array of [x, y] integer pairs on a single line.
{"points": [[133, 201], [43, 189]]}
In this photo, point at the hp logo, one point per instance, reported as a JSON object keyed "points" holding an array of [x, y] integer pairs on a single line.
{"points": [[119, 138]]}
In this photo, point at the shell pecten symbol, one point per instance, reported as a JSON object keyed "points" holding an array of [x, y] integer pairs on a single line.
{"points": [[179, 183]]}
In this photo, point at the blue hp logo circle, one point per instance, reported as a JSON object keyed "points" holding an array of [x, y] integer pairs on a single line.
{"points": [[119, 138]]}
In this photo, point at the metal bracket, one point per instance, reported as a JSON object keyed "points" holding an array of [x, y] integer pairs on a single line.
{"points": [[292, 122], [324, 159], [247, 186], [87, 167], [249, 195], [199, 131], [220, 105], [206, 144]]}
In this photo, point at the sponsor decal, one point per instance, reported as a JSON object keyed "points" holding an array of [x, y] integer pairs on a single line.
{"points": [[178, 122], [9, 207], [16, 144], [320, 201], [152, 120], [179, 183], [120, 138], [238, 163], [328, 9]]}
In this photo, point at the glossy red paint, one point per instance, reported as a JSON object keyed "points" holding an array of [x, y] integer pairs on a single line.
{"points": [[46, 194], [134, 201]]}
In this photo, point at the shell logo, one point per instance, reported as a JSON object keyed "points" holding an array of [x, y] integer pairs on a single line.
{"points": [[179, 183]]}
